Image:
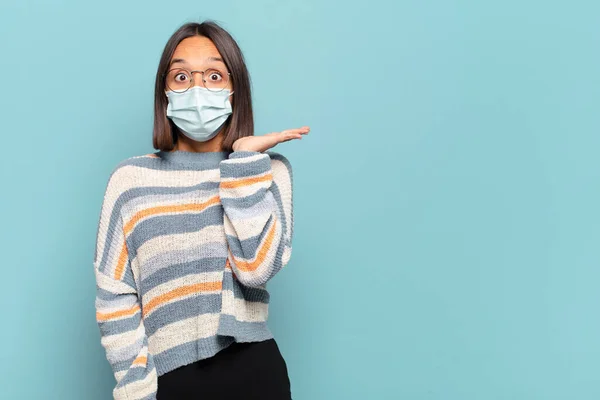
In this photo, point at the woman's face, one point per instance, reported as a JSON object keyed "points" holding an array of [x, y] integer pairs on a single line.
{"points": [[198, 53]]}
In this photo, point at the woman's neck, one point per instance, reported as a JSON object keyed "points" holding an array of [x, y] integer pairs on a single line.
{"points": [[186, 144]]}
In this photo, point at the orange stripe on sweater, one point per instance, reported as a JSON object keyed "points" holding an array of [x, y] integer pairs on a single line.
{"points": [[248, 266], [245, 182], [102, 317], [121, 263], [181, 292], [141, 360], [168, 209]]}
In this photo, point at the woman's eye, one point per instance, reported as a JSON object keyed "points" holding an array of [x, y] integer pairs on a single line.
{"points": [[215, 77], [181, 77]]}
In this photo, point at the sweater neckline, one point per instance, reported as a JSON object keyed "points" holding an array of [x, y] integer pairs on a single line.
{"points": [[204, 159]]}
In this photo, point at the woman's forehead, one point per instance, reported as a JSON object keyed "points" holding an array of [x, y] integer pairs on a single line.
{"points": [[196, 49]]}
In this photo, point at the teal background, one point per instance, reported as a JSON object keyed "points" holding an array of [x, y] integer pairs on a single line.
{"points": [[446, 226]]}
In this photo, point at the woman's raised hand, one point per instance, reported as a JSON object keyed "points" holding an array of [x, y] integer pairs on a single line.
{"points": [[269, 140]]}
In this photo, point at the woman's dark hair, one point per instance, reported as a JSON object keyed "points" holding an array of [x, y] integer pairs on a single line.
{"points": [[241, 122]]}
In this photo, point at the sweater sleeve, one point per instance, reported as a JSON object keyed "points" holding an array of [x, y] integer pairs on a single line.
{"points": [[256, 193], [118, 310]]}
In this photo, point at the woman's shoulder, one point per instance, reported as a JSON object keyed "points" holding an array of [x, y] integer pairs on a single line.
{"points": [[121, 175], [136, 160]]}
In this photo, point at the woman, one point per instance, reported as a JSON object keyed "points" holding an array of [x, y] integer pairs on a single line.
{"points": [[190, 235]]}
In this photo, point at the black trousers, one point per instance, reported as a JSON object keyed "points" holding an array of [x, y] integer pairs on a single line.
{"points": [[242, 371]]}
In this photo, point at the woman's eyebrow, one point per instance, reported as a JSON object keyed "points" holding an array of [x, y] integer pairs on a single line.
{"points": [[182, 61], [178, 60], [219, 59]]}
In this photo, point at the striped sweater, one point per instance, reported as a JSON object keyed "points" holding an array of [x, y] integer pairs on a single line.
{"points": [[186, 244]]}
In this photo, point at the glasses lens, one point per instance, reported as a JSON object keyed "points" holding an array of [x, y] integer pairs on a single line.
{"points": [[215, 79], [179, 80]]}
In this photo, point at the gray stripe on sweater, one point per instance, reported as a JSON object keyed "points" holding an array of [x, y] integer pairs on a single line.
{"points": [[203, 303], [169, 272], [231, 169], [158, 163], [243, 331], [170, 224], [121, 325]]}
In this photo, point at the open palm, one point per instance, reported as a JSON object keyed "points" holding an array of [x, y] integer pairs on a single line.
{"points": [[269, 140]]}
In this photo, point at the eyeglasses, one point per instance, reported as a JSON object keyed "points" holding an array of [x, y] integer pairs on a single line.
{"points": [[180, 79]]}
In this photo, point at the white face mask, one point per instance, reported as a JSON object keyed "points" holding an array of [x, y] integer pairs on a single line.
{"points": [[199, 112]]}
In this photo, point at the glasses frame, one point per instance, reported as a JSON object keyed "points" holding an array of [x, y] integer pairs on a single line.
{"points": [[192, 79]]}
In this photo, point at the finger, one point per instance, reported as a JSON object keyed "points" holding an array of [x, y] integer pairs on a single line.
{"points": [[282, 135], [289, 136], [304, 130]]}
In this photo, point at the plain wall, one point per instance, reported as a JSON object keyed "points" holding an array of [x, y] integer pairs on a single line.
{"points": [[447, 232]]}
